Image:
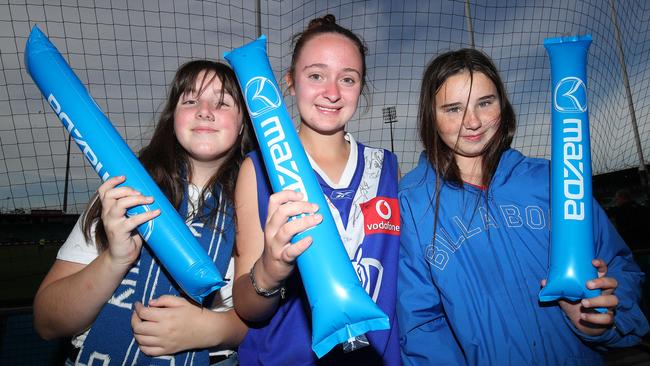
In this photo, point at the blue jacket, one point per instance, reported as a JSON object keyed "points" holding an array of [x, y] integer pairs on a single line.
{"points": [[469, 295]]}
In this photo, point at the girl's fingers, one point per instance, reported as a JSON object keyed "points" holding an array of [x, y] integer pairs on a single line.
{"points": [[131, 223], [146, 340], [111, 183], [168, 301], [153, 351], [281, 216], [287, 202], [280, 198], [131, 201], [608, 284], [601, 266], [292, 251], [120, 192], [145, 323], [602, 301], [141, 327], [140, 219], [598, 318], [118, 208], [149, 314], [293, 227], [291, 208]]}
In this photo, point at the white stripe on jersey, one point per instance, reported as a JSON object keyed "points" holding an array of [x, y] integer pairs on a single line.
{"points": [[353, 233]]}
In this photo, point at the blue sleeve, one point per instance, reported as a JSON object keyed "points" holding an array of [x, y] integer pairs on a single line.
{"points": [[425, 335], [630, 323]]}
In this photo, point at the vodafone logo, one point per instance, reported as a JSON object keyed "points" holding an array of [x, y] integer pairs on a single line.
{"points": [[381, 216], [383, 209]]}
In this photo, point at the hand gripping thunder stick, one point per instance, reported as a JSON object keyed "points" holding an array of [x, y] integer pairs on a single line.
{"points": [[572, 238], [167, 234], [341, 309]]}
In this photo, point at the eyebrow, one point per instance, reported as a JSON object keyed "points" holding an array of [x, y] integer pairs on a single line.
{"points": [[194, 91], [457, 104], [491, 96], [193, 94], [324, 66]]}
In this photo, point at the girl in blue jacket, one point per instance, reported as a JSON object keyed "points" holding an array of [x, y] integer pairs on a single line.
{"points": [[475, 240]]}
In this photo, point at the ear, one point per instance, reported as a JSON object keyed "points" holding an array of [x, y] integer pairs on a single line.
{"points": [[289, 80]]}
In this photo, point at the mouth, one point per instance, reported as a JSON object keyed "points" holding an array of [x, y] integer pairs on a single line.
{"points": [[473, 138], [327, 109], [204, 130]]}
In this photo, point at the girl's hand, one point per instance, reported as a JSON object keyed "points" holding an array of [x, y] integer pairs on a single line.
{"points": [[279, 255], [583, 314], [124, 242], [169, 324]]}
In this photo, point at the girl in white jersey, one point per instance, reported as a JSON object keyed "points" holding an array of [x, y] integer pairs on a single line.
{"points": [[326, 77]]}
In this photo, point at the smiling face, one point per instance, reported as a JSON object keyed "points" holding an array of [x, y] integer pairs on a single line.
{"points": [[467, 113], [207, 123], [327, 82]]}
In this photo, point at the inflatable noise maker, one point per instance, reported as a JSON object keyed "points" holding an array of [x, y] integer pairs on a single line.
{"points": [[167, 235], [572, 239], [341, 309]]}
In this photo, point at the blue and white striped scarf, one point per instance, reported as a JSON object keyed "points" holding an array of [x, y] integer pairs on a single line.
{"points": [[110, 340]]}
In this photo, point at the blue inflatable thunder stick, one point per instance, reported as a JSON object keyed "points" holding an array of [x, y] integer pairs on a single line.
{"points": [[341, 309], [572, 238], [167, 234]]}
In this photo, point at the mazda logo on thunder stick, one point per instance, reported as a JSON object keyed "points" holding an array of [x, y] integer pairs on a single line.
{"points": [[570, 95], [381, 215], [572, 226], [262, 96]]}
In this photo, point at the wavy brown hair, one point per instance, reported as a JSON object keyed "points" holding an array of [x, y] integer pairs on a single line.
{"points": [[166, 160], [438, 153], [440, 156]]}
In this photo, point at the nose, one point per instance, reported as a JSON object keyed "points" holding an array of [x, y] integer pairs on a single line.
{"points": [[204, 111], [332, 92], [472, 121]]}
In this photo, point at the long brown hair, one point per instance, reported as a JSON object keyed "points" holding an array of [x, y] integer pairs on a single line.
{"points": [[166, 160], [440, 156], [438, 153]]}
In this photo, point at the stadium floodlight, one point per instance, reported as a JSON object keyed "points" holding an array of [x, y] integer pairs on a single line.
{"points": [[390, 117]]}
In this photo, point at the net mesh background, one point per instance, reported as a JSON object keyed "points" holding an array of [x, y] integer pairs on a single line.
{"points": [[126, 53]]}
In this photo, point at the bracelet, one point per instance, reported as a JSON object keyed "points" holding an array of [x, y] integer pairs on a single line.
{"points": [[264, 292]]}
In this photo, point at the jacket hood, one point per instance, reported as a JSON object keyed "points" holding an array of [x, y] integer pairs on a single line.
{"points": [[512, 165]]}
